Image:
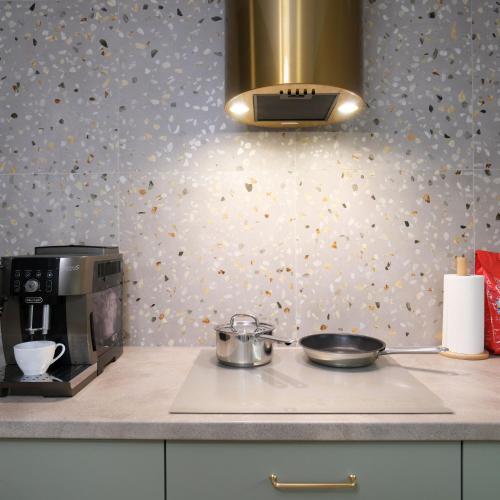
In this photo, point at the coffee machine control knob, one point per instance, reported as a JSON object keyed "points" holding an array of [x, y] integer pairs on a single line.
{"points": [[31, 286]]}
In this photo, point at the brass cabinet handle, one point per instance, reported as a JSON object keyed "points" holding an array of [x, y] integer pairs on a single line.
{"points": [[353, 481]]}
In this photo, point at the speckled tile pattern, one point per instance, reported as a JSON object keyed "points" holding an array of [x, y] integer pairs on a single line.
{"points": [[487, 209], [373, 246], [203, 246], [58, 90], [112, 131], [54, 209], [172, 85], [417, 72], [486, 83]]}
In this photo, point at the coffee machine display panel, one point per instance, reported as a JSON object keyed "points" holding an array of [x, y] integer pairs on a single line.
{"points": [[34, 279]]}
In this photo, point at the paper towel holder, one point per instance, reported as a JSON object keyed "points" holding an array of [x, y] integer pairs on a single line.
{"points": [[461, 268], [468, 357], [461, 263]]}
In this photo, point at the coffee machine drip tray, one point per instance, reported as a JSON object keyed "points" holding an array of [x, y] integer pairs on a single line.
{"points": [[63, 381]]}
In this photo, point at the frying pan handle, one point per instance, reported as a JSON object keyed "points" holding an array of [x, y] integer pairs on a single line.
{"points": [[414, 350]]}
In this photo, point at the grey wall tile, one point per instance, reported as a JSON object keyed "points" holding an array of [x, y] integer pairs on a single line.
{"points": [[216, 152], [361, 150], [486, 85], [200, 247], [487, 209], [417, 78], [249, 151], [172, 82], [173, 62], [373, 246], [58, 89], [52, 209]]}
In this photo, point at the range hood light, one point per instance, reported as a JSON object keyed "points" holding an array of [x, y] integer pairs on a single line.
{"points": [[348, 108], [239, 108]]}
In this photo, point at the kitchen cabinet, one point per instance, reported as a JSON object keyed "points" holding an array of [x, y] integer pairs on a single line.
{"points": [[131, 470], [388, 471], [480, 470], [81, 470]]}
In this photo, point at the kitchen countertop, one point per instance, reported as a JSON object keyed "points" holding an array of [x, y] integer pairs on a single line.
{"points": [[132, 398]]}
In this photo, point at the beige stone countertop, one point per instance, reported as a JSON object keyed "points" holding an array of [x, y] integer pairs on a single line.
{"points": [[131, 400]]}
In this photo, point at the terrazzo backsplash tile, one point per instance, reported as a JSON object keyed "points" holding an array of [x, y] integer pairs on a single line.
{"points": [[487, 209], [373, 246], [486, 85], [112, 131], [172, 59], [58, 89], [202, 246], [418, 74], [54, 209]]}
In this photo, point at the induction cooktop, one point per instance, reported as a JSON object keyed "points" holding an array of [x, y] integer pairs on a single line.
{"points": [[292, 384]]}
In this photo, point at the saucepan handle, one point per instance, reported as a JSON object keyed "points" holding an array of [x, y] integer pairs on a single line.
{"points": [[275, 339], [414, 350]]}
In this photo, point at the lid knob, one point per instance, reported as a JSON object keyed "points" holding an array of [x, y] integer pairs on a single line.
{"points": [[234, 317]]}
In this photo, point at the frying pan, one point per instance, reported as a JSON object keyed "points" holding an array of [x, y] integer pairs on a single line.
{"points": [[345, 350]]}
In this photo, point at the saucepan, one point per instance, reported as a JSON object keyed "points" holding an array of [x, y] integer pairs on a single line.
{"points": [[345, 350], [245, 342]]}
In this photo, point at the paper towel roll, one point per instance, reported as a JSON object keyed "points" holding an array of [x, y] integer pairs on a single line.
{"points": [[463, 313]]}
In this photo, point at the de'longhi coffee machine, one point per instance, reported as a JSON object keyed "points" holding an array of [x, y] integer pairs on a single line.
{"points": [[68, 294]]}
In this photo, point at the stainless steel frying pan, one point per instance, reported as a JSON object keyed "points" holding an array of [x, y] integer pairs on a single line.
{"points": [[351, 351]]}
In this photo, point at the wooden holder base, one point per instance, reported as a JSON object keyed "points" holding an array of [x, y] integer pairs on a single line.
{"points": [[470, 357]]}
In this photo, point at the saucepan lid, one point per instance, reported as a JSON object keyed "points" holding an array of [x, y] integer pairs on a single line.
{"points": [[245, 324]]}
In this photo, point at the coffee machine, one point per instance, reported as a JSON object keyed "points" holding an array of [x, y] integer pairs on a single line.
{"points": [[67, 294]]}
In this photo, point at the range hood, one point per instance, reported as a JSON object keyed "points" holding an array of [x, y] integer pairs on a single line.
{"points": [[293, 63]]}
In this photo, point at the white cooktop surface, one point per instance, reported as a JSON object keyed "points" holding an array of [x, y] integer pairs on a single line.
{"points": [[292, 384]]}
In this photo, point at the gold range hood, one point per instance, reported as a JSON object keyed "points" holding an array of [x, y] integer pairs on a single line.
{"points": [[293, 63]]}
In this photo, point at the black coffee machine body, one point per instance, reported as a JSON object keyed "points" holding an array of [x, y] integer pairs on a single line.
{"points": [[70, 295]]}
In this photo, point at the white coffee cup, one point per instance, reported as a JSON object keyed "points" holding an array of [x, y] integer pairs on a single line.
{"points": [[36, 356]]}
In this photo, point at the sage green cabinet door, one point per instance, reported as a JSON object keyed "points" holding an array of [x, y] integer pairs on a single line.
{"points": [[81, 470], [481, 463], [385, 471]]}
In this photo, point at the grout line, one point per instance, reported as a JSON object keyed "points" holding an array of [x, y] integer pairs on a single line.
{"points": [[295, 232], [165, 469], [60, 174], [474, 220], [461, 470], [473, 143], [118, 135], [135, 171]]}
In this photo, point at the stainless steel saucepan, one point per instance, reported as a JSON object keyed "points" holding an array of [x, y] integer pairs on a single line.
{"points": [[352, 351], [244, 342]]}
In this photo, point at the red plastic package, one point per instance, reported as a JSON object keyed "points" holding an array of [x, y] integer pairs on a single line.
{"points": [[488, 264]]}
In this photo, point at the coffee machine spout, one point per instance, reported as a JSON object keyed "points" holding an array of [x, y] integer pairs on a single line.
{"points": [[30, 328], [46, 319]]}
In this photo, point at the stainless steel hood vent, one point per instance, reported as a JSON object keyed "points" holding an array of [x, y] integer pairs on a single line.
{"points": [[293, 63], [298, 107]]}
